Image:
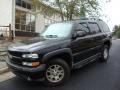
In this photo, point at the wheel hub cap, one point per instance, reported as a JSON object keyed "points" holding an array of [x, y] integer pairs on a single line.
{"points": [[105, 53], [55, 73]]}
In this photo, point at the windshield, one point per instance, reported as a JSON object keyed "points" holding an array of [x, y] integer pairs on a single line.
{"points": [[59, 30]]}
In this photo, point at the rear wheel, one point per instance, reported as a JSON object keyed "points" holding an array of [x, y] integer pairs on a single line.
{"points": [[57, 72], [105, 54]]}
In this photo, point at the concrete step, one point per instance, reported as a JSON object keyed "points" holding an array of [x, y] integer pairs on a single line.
{"points": [[3, 67]]}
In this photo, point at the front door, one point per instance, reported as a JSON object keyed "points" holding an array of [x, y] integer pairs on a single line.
{"points": [[81, 45]]}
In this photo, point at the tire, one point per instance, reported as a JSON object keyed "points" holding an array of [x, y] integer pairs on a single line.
{"points": [[104, 54], [57, 72]]}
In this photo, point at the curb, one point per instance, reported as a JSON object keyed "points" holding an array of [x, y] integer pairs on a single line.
{"points": [[4, 70]]}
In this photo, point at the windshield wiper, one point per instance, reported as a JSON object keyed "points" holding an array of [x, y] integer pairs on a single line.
{"points": [[51, 36]]}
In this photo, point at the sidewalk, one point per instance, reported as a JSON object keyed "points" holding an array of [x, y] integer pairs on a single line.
{"points": [[5, 74], [3, 56], [3, 65]]}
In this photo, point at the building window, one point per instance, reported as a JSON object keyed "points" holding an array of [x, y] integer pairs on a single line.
{"points": [[24, 21], [18, 2], [24, 4], [29, 6]]}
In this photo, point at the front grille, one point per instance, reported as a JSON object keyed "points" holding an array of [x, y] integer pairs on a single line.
{"points": [[16, 61], [16, 57], [16, 54]]}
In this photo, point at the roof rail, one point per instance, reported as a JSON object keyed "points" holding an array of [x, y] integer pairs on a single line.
{"points": [[96, 19], [89, 19]]}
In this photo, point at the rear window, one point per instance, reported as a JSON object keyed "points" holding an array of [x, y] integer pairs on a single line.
{"points": [[104, 27]]}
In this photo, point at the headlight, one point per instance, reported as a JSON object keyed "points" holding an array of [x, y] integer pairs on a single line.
{"points": [[34, 56], [33, 64]]}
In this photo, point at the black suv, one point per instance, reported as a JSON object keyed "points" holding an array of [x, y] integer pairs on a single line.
{"points": [[60, 48]]}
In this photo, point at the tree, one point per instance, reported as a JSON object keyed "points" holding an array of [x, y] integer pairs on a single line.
{"points": [[116, 31], [70, 8], [44, 8], [78, 8]]}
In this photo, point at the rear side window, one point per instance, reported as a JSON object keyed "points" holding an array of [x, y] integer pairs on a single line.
{"points": [[94, 28], [104, 27]]}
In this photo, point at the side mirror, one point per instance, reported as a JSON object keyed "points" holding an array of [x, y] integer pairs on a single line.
{"points": [[81, 33]]}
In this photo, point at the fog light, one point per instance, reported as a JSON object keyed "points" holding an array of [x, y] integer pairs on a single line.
{"points": [[32, 64]]}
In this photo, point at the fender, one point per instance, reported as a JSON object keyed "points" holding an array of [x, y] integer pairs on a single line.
{"points": [[56, 52], [107, 40]]}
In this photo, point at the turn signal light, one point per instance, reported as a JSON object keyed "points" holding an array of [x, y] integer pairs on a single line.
{"points": [[34, 64]]}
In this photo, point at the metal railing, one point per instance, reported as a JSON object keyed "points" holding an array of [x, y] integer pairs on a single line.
{"points": [[6, 36], [6, 32]]}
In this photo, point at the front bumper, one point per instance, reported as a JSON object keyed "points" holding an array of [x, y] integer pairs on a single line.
{"points": [[28, 73]]}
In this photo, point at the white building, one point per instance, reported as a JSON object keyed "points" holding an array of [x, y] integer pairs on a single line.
{"points": [[23, 18]]}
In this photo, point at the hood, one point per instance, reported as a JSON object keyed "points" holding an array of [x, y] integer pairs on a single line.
{"points": [[32, 44]]}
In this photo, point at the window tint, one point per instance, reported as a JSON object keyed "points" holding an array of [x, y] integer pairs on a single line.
{"points": [[94, 28], [82, 26]]}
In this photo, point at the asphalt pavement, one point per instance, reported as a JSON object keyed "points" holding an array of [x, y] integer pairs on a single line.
{"points": [[94, 76]]}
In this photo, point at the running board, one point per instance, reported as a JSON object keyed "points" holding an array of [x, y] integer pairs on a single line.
{"points": [[86, 61]]}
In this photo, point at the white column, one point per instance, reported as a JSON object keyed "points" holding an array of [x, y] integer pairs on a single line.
{"points": [[5, 12], [13, 17], [40, 22]]}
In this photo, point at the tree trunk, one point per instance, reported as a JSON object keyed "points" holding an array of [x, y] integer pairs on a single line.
{"points": [[71, 17], [61, 14]]}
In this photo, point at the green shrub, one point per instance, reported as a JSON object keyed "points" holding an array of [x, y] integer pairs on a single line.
{"points": [[118, 34]]}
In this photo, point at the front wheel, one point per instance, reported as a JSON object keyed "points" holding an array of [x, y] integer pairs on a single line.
{"points": [[57, 72], [105, 54]]}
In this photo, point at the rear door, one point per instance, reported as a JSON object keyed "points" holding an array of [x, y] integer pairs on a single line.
{"points": [[96, 37]]}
